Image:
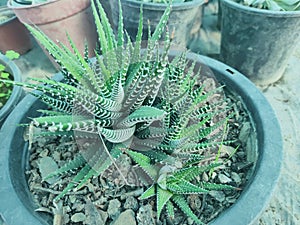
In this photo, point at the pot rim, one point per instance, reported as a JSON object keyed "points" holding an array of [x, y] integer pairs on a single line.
{"points": [[20, 6], [252, 10], [5, 9], [163, 6]]}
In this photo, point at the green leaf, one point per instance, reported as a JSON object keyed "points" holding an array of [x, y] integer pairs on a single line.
{"points": [[148, 193], [184, 187], [12, 54], [116, 135], [170, 210], [145, 163], [143, 114], [79, 176], [159, 29], [3, 95], [2, 67], [163, 196], [101, 164], [182, 204], [72, 165], [4, 75], [70, 67], [191, 172], [217, 187], [120, 27], [138, 39]]}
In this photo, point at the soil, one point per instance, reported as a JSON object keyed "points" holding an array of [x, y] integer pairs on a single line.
{"points": [[110, 201]]}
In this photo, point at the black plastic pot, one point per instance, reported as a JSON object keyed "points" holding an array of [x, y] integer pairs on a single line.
{"points": [[19, 207], [17, 92], [184, 18], [258, 42]]}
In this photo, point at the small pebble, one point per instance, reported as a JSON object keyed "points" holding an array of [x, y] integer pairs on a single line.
{"points": [[114, 208], [237, 179], [145, 215], [205, 177], [78, 217], [47, 166], [218, 195], [126, 217], [131, 203], [224, 179], [44, 153], [245, 132]]}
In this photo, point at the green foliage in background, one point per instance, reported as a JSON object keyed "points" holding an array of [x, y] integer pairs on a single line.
{"points": [[6, 88]]}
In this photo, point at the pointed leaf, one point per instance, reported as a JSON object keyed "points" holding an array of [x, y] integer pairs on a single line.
{"points": [[143, 114], [145, 163], [116, 135], [148, 193], [163, 196], [182, 204], [184, 187]]}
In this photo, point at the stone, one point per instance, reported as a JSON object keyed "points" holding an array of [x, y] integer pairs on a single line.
{"points": [[78, 217], [126, 217], [131, 203], [47, 166], [245, 132], [218, 195], [236, 178], [145, 215], [224, 179], [113, 209], [94, 216]]}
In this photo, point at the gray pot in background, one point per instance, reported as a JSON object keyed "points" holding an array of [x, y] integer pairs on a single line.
{"points": [[258, 42], [185, 18]]}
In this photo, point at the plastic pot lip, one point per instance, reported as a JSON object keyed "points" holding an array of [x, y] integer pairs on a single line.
{"points": [[13, 17], [17, 92], [20, 6], [252, 10], [163, 6], [254, 198]]}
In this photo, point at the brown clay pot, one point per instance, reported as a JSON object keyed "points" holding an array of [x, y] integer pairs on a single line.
{"points": [[13, 34], [58, 17]]}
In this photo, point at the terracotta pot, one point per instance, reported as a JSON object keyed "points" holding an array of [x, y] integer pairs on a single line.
{"points": [[13, 34], [58, 17]]}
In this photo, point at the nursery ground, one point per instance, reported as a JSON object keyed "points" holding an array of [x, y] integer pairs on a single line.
{"points": [[284, 207]]}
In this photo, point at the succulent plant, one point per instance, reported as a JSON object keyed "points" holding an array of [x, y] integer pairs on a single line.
{"points": [[170, 183], [276, 5], [135, 101]]}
